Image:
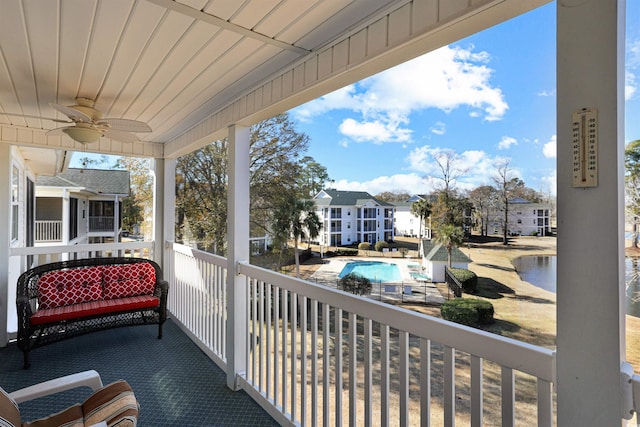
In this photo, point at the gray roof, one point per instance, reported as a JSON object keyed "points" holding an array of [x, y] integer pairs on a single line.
{"points": [[437, 252], [96, 180], [347, 198]]}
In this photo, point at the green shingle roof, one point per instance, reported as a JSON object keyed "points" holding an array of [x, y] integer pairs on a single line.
{"points": [[437, 252], [348, 198], [96, 180]]}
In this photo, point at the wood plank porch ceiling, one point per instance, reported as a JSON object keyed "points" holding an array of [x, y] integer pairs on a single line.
{"points": [[189, 68]]}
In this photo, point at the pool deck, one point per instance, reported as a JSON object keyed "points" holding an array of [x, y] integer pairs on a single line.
{"points": [[410, 290]]}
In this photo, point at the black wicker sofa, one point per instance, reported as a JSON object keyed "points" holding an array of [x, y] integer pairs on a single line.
{"points": [[64, 299]]}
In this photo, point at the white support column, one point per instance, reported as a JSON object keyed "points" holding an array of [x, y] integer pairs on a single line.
{"points": [[238, 250], [5, 238], [116, 219], [164, 213], [590, 290]]}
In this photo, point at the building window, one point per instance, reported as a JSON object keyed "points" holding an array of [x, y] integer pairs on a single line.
{"points": [[15, 206], [73, 218]]}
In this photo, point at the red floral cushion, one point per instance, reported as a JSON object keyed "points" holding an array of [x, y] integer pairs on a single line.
{"points": [[66, 287], [129, 280]]}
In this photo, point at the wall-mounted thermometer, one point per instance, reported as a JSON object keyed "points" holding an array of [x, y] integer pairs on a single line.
{"points": [[585, 147]]}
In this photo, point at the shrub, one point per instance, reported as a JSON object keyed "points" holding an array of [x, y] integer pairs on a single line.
{"points": [[468, 278], [343, 252], [380, 245], [355, 284], [467, 311], [364, 246]]}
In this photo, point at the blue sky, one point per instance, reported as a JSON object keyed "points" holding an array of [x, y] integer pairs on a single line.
{"points": [[488, 97]]}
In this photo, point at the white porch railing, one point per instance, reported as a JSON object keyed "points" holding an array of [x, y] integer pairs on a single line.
{"points": [[48, 231], [317, 356]]}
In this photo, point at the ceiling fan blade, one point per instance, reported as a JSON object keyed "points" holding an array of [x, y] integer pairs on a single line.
{"points": [[72, 113], [119, 135], [125, 125]]}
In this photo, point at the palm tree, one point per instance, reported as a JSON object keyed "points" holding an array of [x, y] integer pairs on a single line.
{"points": [[421, 209], [296, 219], [450, 236]]}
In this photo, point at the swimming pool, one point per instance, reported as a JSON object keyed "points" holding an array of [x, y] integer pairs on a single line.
{"points": [[376, 271]]}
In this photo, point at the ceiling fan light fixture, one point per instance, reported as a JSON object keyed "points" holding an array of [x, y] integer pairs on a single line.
{"points": [[83, 135]]}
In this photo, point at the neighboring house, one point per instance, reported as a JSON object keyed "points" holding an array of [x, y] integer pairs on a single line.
{"points": [[80, 206], [350, 217], [435, 258], [525, 219]]}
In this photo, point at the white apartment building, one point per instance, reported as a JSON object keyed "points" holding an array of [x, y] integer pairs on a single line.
{"points": [[525, 219], [350, 217]]}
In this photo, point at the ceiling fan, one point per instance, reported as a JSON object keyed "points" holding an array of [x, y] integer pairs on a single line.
{"points": [[89, 124]]}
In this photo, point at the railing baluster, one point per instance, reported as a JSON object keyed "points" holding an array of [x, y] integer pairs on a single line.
{"points": [[368, 374], [314, 363], [403, 356], [326, 368], [384, 375], [425, 383], [285, 351], [476, 392], [294, 355], [303, 360], [269, 328], [449, 386], [508, 397], [545, 403], [260, 338], [353, 380], [338, 367], [277, 398]]}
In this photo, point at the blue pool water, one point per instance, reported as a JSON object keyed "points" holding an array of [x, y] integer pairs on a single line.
{"points": [[376, 271]]}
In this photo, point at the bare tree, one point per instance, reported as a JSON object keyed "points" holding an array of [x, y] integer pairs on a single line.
{"points": [[483, 199], [506, 182], [449, 163]]}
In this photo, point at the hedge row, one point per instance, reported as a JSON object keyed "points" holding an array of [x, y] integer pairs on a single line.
{"points": [[468, 311]]}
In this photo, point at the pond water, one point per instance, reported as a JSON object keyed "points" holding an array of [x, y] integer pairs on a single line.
{"points": [[541, 271]]}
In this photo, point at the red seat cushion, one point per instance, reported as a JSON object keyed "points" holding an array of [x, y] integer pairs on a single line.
{"points": [[73, 286], [93, 308], [129, 280]]}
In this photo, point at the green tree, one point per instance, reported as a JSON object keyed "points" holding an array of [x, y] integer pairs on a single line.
{"points": [[295, 219], [278, 169], [313, 177], [393, 196], [421, 209], [632, 187], [355, 284], [450, 236], [137, 209]]}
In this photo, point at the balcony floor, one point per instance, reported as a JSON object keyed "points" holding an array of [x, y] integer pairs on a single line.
{"points": [[174, 381]]}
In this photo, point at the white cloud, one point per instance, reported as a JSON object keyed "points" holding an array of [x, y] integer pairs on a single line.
{"points": [[439, 128], [549, 149], [411, 183], [446, 79], [630, 85], [551, 182], [377, 131], [547, 93], [506, 142]]}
